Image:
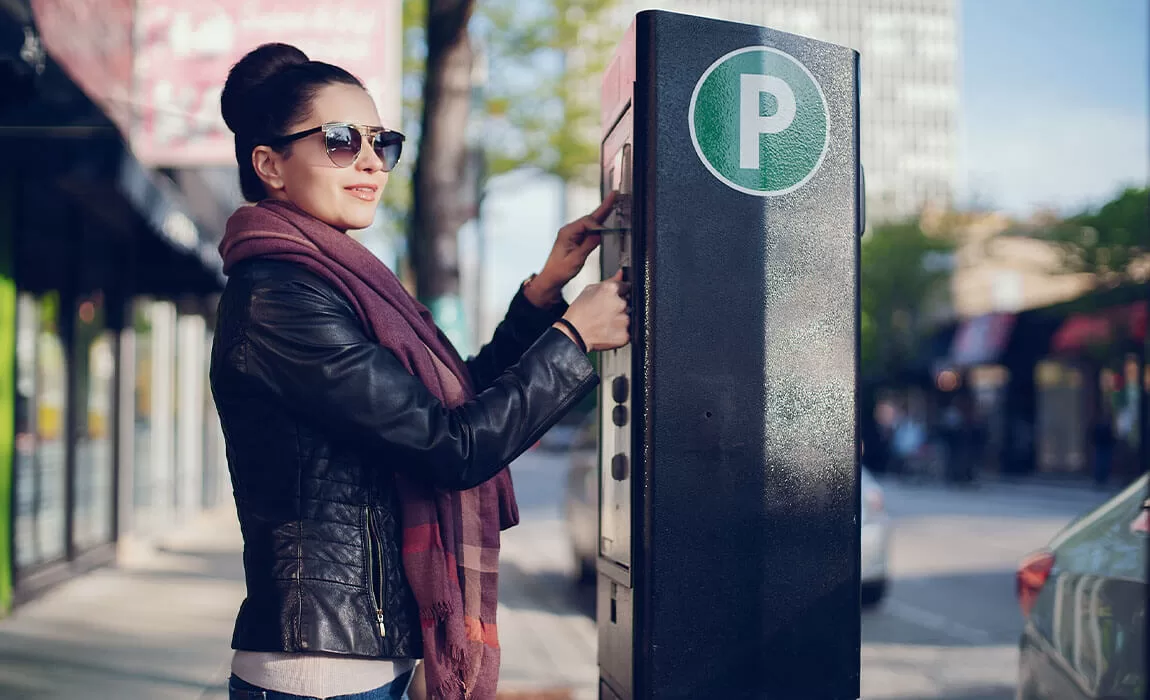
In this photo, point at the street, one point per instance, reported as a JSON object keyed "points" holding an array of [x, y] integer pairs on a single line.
{"points": [[948, 628]]}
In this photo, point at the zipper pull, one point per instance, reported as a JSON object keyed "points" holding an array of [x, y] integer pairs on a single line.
{"points": [[382, 627]]}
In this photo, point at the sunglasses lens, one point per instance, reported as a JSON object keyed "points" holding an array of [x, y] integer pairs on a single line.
{"points": [[343, 144], [388, 147]]}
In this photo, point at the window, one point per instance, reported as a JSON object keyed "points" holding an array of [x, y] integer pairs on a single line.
{"points": [[93, 478], [41, 448]]}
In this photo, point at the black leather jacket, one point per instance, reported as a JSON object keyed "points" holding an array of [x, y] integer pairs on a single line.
{"points": [[318, 418]]}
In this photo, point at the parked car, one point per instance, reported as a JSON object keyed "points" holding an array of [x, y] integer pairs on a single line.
{"points": [[581, 507], [1083, 598], [581, 498], [874, 548]]}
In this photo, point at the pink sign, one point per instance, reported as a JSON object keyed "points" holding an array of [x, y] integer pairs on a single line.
{"points": [[184, 49]]}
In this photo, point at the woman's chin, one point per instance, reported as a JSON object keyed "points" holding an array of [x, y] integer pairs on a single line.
{"points": [[358, 220]]}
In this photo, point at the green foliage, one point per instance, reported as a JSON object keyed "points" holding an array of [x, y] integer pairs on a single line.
{"points": [[1107, 241], [540, 104], [902, 275]]}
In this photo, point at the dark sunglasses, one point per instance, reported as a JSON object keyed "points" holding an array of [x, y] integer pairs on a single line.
{"points": [[344, 142]]}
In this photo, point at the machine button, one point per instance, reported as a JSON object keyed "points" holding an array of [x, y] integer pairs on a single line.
{"points": [[619, 416], [620, 389], [620, 467]]}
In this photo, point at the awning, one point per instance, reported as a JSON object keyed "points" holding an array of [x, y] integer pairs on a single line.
{"points": [[75, 172], [981, 340], [1116, 324]]}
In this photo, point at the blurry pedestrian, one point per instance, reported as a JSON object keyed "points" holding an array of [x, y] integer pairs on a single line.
{"points": [[964, 439], [950, 430], [367, 457], [1102, 435], [909, 443]]}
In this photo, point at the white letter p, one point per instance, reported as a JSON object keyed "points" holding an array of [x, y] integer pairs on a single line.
{"points": [[752, 123]]}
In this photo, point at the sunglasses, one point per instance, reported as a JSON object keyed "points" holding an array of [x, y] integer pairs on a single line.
{"points": [[344, 142]]}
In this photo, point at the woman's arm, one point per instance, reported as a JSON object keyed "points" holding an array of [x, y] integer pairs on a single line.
{"points": [[527, 318], [304, 344], [539, 302]]}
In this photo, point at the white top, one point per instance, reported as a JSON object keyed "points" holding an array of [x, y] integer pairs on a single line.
{"points": [[319, 675]]}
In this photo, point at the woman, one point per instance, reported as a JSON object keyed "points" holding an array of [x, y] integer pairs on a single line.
{"points": [[367, 459]]}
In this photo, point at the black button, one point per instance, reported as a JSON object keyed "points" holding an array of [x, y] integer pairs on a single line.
{"points": [[620, 389], [619, 416], [620, 467]]}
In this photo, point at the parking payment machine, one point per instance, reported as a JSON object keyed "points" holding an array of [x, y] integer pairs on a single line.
{"points": [[729, 492]]}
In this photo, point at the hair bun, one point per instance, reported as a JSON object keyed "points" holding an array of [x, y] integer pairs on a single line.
{"points": [[248, 75]]}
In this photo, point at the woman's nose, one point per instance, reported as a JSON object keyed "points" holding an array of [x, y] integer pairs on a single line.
{"points": [[369, 161]]}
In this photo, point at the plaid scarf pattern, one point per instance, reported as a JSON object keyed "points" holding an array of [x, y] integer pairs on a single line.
{"points": [[450, 547]]}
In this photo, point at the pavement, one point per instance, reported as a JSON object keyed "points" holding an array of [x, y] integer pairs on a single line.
{"points": [[157, 625]]}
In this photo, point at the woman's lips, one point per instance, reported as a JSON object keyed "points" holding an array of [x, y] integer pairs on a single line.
{"points": [[365, 192]]}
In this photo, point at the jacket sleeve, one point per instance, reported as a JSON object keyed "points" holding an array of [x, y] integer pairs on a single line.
{"points": [[306, 346], [522, 326]]}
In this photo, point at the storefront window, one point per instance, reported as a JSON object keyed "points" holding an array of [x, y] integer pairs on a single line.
{"points": [[95, 369], [1061, 417], [988, 385], [154, 457], [41, 450], [142, 463], [189, 411], [24, 452], [214, 466]]}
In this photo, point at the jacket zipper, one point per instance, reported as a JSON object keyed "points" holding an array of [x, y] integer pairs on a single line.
{"points": [[375, 571]]}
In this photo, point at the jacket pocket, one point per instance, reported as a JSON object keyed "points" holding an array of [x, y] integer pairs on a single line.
{"points": [[375, 571]]}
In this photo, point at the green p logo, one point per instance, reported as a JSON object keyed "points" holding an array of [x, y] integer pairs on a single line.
{"points": [[758, 121]]}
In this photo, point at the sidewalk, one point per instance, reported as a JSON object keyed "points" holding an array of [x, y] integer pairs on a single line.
{"points": [[158, 625]]}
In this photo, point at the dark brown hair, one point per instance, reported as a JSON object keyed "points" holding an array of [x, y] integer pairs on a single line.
{"points": [[269, 89]]}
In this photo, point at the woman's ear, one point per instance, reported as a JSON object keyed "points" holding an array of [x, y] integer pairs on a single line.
{"points": [[269, 167]]}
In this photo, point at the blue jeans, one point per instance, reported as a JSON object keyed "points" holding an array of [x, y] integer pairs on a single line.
{"points": [[239, 689]]}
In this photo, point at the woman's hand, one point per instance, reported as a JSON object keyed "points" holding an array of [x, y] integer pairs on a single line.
{"points": [[601, 315], [573, 244]]}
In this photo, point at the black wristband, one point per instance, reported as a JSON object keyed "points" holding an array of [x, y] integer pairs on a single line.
{"points": [[578, 338]]}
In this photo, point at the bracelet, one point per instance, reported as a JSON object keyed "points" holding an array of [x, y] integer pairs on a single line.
{"points": [[578, 338]]}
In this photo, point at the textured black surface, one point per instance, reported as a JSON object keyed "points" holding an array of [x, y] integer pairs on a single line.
{"points": [[745, 530]]}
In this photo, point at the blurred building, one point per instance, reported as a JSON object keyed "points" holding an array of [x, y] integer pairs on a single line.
{"points": [[909, 93], [118, 177], [909, 74], [1043, 355]]}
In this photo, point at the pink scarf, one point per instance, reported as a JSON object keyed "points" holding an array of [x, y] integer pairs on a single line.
{"points": [[450, 539]]}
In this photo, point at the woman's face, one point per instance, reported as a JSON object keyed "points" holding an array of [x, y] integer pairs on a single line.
{"points": [[344, 198]]}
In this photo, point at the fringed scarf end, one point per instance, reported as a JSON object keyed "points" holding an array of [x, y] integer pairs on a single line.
{"points": [[437, 612], [448, 689]]}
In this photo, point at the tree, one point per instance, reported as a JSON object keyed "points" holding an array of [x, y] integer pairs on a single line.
{"points": [[539, 110], [438, 186], [903, 273], [1111, 243], [543, 101]]}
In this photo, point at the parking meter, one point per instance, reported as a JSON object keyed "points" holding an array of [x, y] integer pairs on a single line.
{"points": [[728, 562]]}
